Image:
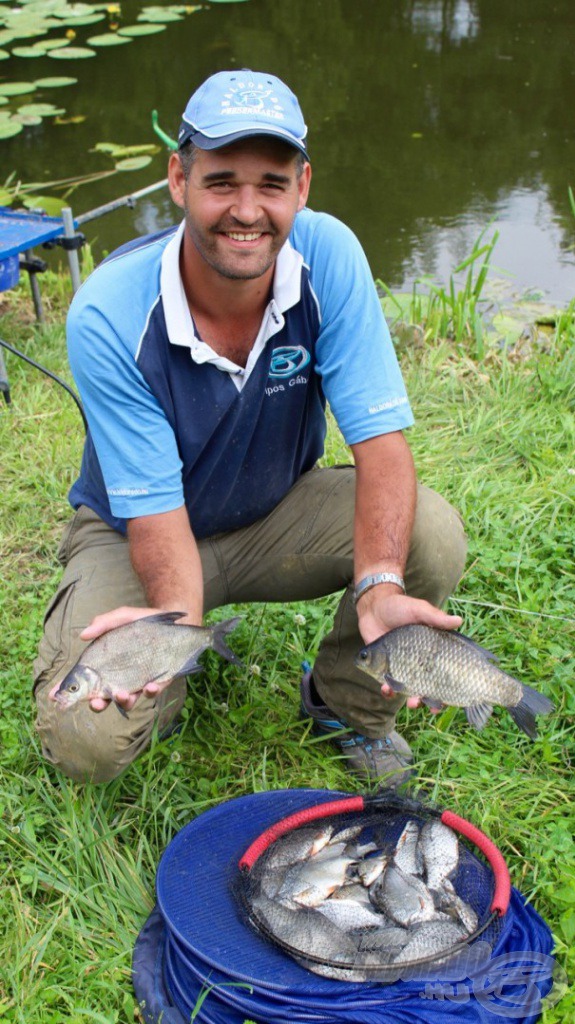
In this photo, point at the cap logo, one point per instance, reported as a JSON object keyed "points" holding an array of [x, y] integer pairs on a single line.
{"points": [[252, 99]]}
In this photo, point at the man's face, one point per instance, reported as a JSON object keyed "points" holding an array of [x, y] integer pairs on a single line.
{"points": [[240, 203]]}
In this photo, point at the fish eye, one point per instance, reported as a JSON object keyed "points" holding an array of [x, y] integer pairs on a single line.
{"points": [[363, 655], [73, 688]]}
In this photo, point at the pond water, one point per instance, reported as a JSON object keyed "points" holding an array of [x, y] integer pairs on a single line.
{"points": [[429, 120]]}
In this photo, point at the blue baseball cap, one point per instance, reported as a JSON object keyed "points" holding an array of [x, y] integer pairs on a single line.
{"points": [[234, 105]]}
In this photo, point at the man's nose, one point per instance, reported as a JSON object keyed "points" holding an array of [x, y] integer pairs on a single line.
{"points": [[245, 207]]}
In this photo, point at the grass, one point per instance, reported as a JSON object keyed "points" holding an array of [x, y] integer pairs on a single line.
{"points": [[496, 435]]}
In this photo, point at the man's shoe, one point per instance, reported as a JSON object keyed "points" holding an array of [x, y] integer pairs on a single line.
{"points": [[369, 758]]}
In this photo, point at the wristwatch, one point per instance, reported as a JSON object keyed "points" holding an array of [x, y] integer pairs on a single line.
{"points": [[371, 581]]}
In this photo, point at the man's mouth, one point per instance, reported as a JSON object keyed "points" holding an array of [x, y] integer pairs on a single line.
{"points": [[244, 236]]}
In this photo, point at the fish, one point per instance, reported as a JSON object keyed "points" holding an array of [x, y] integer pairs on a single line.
{"points": [[298, 845], [308, 931], [371, 867], [153, 649], [445, 667], [311, 882], [349, 914], [438, 848], [403, 898], [450, 903], [429, 938], [407, 853]]}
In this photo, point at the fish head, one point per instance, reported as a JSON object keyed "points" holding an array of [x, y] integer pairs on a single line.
{"points": [[80, 682], [373, 659]]}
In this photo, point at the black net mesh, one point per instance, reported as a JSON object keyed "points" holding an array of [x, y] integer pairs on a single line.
{"points": [[364, 896]]}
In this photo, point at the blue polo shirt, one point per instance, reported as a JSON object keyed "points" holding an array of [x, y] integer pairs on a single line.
{"points": [[171, 422]]}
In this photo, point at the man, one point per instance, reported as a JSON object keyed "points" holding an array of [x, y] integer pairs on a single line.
{"points": [[204, 356]]}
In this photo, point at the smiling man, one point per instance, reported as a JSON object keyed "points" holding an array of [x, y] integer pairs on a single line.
{"points": [[205, 356]]}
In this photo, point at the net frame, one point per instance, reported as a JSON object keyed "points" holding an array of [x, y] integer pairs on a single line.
{"points": [[384, 804]]}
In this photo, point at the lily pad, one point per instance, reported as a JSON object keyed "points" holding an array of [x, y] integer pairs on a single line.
{"points": [[9, 128], [134, 163], [55, 44], [16, 88], [54, 82], [159, 14], [140, 30], [49, 204], [86, 19], [74, 11], [28, 51], [108, 39], [72, 53], [26, 119], [4, 55], [40, 109]]}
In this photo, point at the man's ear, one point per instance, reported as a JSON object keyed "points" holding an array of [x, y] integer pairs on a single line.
{"points": [[304, 182], [176, 179]]}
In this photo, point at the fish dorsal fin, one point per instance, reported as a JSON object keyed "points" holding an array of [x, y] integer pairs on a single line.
{"points": [[473, 643], [478, 715], [163, 618]]}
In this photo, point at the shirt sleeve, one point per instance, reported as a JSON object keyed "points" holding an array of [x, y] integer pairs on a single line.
{"points": [[356, 359], [134, 441]]}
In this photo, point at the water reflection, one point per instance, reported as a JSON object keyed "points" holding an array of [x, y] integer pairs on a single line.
{"points": [[427, 119]]}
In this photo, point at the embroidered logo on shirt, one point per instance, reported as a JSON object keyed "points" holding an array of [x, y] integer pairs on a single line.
{"points": [[288, 360]]}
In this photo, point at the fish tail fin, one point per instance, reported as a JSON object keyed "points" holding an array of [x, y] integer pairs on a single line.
{"points": [[221, 629], [532, 703]]}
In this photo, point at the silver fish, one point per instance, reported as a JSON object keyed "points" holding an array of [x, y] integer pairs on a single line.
{"points": [[349, 914], [404, 898], [450, 903], [298, 845], [369, 869], [307, 931], [311, 882], [429, 938], [447, 668], [407, 854], [439, 851], [151, 649]]}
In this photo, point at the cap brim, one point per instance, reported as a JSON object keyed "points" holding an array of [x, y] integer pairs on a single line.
{"points": [[206, 142]]}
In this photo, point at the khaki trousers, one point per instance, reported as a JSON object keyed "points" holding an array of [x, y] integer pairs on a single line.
{"points": [[302, 550]]}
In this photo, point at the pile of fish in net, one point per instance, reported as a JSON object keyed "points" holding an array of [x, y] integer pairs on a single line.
{"points": [[353, 901]]}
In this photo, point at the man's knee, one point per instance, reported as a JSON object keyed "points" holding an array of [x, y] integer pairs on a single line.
{"points": [[438, 548], [97, 746]]}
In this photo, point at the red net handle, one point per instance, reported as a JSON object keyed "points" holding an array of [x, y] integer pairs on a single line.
{"points": [[259, 845], [502, 894]]}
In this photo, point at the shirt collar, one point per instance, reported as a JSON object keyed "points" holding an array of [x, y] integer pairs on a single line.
{"points": [[286, 289]]}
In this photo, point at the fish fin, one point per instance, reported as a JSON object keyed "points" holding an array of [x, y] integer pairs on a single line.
{"points": [[532, 703], [163, 618], [394, 683], [434, 703], [123, 713], [478, 715], [473, 643], [221, 629]]}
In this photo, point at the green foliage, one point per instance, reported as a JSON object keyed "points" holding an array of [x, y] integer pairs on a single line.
{"points": [[496, 435]]}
